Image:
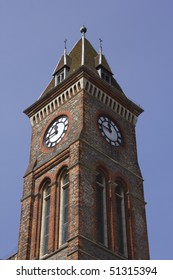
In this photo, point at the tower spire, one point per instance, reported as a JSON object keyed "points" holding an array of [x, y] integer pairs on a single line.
{"points": [[83, 30]]}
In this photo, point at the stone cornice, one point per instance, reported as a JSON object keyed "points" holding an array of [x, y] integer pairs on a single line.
{"points": [[84, 79]]}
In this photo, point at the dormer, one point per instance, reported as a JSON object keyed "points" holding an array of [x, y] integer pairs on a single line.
{"points": [[102, 66], [61, 75], [61, 70], [104, 74]]}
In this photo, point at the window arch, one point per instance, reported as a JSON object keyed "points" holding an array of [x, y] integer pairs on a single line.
{"points": [[120, 227], [64, 207], [45, 218], [101, 208]]}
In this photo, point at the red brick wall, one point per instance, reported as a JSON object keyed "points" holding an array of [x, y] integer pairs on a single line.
{"points": [[83, 150]]}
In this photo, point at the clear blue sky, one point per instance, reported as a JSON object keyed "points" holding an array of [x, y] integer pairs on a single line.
{"points": [[138, 44]]}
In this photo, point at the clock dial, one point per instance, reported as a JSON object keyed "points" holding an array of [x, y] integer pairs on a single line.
{"points": [[56, 131], [110, 131]]}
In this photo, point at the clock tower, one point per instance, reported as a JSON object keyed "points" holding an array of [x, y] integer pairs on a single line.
{"points": [[83, 189]]}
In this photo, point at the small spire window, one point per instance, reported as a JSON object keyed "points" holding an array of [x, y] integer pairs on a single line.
{"points": [[60, 76], [106, 76]]}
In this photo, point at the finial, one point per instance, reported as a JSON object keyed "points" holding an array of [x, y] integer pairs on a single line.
{"points": [[65, 43], [100, 43], [83, 30], [65, 51], [100, 54]]}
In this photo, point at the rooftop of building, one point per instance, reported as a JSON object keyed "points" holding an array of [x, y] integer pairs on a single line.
{"points": [[83, 54]]}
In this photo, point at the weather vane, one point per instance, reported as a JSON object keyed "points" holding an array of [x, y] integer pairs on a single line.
{"points": [[100, 42], [65, 43]]}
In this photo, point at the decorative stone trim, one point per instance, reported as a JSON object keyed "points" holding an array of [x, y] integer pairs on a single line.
{"points": [[92, 90], [109, 102], [57, 102]]}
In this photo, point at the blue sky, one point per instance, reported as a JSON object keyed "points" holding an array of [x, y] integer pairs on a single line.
{"points": [[138, 44]]}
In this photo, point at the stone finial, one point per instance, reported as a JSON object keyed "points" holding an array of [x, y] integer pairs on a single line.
{"points": [[83, 30]]}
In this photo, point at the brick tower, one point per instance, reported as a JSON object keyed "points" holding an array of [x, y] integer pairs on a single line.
{"points": [[83, 189]]}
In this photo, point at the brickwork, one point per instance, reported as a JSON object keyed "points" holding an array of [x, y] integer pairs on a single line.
{"points": [[83, 151], [26, 220]]}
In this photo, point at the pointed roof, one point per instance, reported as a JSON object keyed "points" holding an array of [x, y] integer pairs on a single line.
{"points": [[89, 56], [73, 62]]}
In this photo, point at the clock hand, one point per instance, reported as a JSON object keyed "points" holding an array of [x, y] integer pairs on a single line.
{"points": [[108, 128], [54, 133]]}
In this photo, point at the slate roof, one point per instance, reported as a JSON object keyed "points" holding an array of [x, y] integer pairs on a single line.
{"points": [[73, 63], [61, 64]]}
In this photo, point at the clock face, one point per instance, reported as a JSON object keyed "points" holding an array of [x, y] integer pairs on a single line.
{"points": [[56, 131], [110, 131]]}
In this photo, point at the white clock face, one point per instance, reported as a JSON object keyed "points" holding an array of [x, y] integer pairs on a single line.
{"points": [[56, 131], [109, 131]]}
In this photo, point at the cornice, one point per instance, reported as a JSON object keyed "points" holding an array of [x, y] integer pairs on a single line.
{"points": [[84, 79]]}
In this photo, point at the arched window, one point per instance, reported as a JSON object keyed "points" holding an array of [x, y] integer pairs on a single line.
{"points": [[101, 208], [64, 208], [120, 219], [45, 218]]}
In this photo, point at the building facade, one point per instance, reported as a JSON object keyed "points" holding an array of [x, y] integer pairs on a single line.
{"points": [[83, 189]]}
